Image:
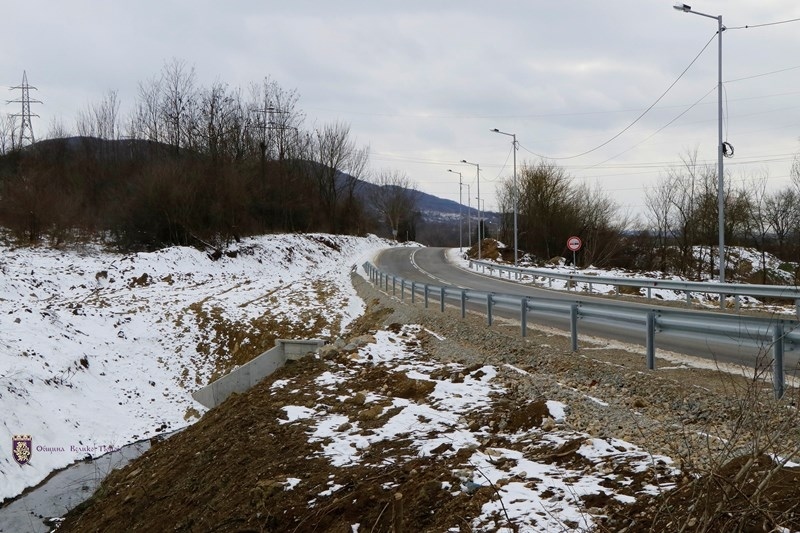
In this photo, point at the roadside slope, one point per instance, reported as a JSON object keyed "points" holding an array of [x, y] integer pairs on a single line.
{"points": [[101, 349], [544, 439]]}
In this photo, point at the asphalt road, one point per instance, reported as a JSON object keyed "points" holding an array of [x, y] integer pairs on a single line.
{"points": [[430, 265]]}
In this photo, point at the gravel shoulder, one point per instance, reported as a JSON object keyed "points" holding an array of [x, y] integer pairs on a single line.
{"points": [[705, 416]]}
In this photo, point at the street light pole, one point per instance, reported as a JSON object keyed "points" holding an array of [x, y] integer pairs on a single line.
{"points": [[460, 213], [720, 145], [516, 191], [479, 203], [469, 218]]}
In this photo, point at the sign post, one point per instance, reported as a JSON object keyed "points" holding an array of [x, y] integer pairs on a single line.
{"points": [[574, 243]]}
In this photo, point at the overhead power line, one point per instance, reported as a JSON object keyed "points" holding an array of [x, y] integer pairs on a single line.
{"points": [[750, 26], [637, 119]]}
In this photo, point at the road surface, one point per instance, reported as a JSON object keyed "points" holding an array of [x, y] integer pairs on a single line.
{"points": [[430, 265]]}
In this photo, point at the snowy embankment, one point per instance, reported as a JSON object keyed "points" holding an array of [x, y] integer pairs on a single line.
{"points": [[98, 350], [745, 262]]}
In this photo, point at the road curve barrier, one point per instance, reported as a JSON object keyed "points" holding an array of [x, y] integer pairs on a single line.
{"points": [[724, 290], [772, 335]]}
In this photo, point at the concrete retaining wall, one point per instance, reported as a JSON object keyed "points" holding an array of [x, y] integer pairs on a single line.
{"points": [[250, 373]]}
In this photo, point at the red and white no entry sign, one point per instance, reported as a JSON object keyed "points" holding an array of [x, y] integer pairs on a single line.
{"points": [[574, 243]]}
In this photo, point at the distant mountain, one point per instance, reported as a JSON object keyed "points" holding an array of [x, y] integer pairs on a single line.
{"points": [[430, 207], [119, 149]]}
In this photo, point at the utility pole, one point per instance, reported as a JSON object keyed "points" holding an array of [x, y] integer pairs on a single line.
{"points": [[478, 170], [267, 123], [25, 127], [469, 218], [460, 212]]}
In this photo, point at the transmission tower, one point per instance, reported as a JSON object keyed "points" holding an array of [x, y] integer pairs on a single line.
{"points": [[26, 127]]}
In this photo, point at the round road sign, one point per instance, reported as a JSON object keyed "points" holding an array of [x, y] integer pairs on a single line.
{"points": [[574, 243]]}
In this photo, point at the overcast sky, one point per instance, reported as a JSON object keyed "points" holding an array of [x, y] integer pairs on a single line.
{"points": [[422, 82]]}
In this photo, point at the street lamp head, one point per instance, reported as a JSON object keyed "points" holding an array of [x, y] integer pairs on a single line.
{"points": [[463, 160], [495, 130], [682, 7]]}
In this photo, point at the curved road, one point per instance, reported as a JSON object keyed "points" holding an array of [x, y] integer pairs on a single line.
{"points": [[430, 265]]}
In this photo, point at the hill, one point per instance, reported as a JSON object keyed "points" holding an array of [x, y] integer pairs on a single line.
{"points": [[101, 349]]}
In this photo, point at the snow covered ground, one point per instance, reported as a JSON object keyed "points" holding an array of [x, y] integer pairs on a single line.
{"points": [[741, 259], [536, 487], [98, 350]]}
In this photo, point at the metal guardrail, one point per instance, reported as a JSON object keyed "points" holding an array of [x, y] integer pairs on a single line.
{"points": [[723, 289], [779, 334]]}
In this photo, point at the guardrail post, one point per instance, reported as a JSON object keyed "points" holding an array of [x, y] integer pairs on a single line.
{"points": [[797, 308], [649, 293], [523, 316], [721, 301], [651, 340], [441, 300], [413, 291], [394, 285], [591, 288], [426, 295], [573, 326], [777, 356], [463, 303], [489, 308], [402, 289], [688, 299]]}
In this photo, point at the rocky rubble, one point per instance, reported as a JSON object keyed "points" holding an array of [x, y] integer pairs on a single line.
{"points": [[705, 419]]}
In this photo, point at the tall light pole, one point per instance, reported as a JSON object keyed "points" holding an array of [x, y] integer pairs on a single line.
{"points": [[483, 230], [469, 218], [720, 145], [460, 213], [479, 203], [516, 191]]}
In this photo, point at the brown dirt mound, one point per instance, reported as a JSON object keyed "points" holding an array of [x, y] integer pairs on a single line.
{"points": [[231, 472], [748, 494]]}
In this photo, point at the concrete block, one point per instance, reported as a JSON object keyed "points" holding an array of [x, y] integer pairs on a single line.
{"points": [[250, 373]]}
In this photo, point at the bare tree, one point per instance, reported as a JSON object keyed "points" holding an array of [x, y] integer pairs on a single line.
{"points": [[339, 164], [548, 212], [57, 129], [178, 102], [8, 125], [395, 198], [146, 120], [275, 121], [600, 226], [782, 210], [219, 123], [759, 224], [100, 120], [659, 201]]}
